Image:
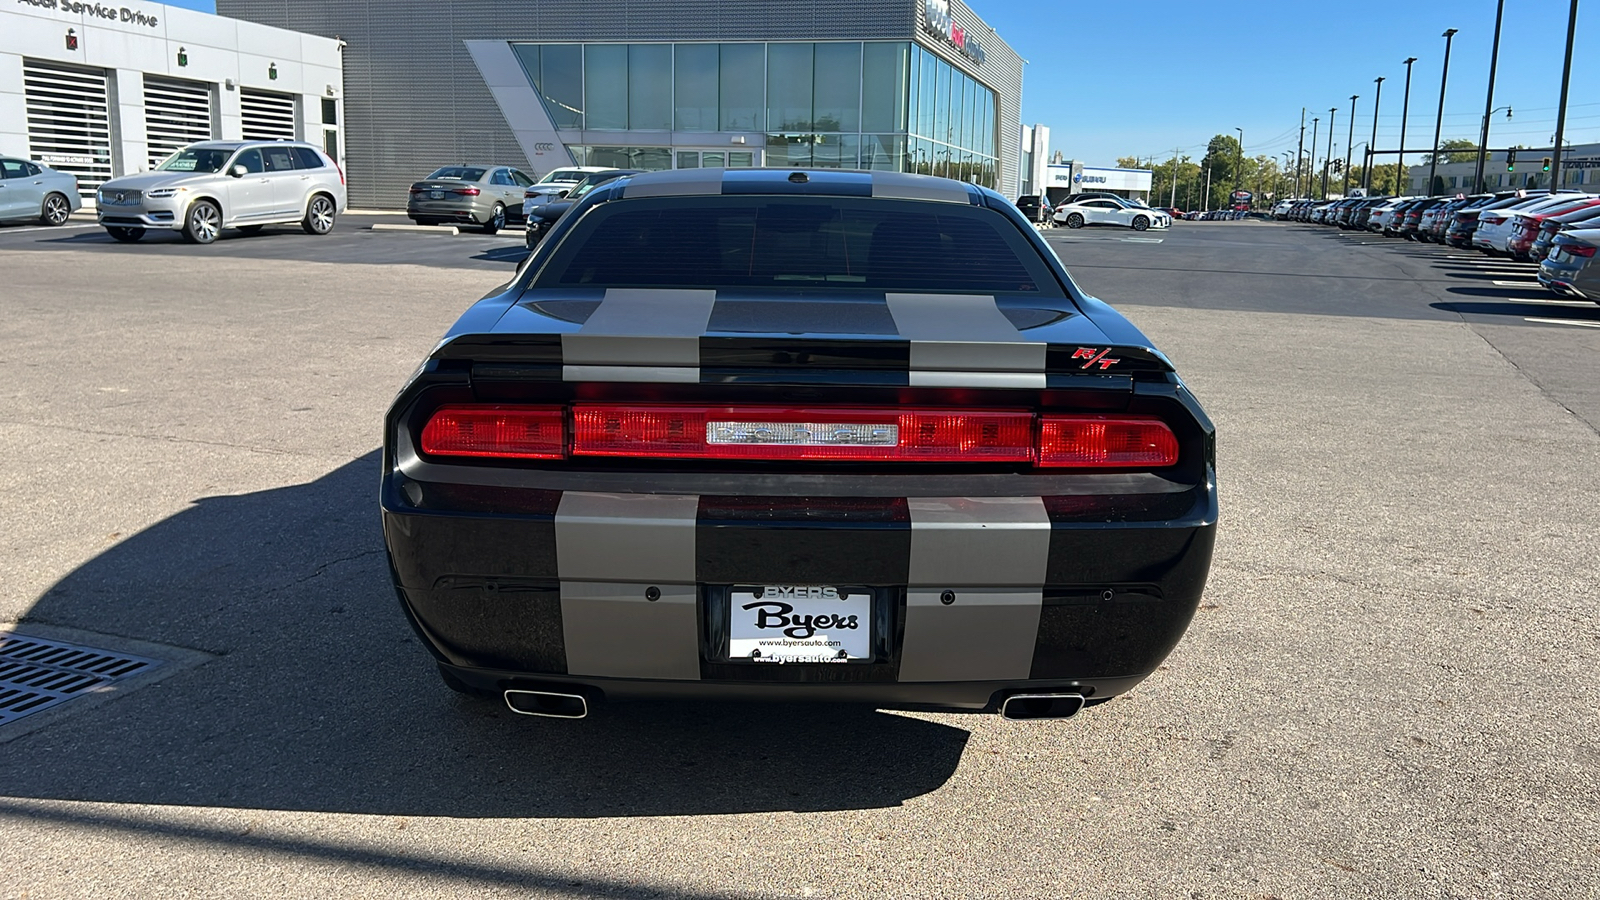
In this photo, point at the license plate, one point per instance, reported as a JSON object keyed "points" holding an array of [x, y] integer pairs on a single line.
{"points": [[436, 195], [792, 623]]}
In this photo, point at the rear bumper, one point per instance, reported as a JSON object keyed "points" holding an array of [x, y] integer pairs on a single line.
{"points": [[518, 587]]}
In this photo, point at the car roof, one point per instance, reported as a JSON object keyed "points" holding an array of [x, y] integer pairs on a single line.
{"points": [[813, 182]]}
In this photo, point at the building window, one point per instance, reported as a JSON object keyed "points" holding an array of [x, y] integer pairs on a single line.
{"points": [[650, 87], [838, 88], [884, 83], [789, 86], [605, 77], [694, 74], [744, 87]]}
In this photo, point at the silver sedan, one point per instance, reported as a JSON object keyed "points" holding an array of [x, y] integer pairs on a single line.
{"points": [[478, 196], [31, 192]]}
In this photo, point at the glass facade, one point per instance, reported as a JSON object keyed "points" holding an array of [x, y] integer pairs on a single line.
{"points": [[889, 105]]}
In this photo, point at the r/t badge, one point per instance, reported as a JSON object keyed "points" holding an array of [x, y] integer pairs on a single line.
{"points": [[1095, 355]]}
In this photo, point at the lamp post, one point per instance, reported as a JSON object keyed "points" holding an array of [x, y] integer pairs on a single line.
{"points": [[1372, 145], [1300, 153], [1326, 160], [1561, 114], [1238, 177], [1488, 101], [1311, 176], [1349, 143], [1438, 124], [1400, 177]]}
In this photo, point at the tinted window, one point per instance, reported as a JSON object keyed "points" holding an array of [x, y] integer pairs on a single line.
{"points": [[11, 168], [250, 159], [31, 169], [521, 178], [797, 242], [501, 176], [279, 159], [459, 173], [307, 158], [202, 159]]}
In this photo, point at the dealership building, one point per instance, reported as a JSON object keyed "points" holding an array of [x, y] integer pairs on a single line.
{"points": [[105, 89], [898, 85], [1580, 171]]}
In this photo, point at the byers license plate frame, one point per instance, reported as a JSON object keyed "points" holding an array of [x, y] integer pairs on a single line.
{"points": [[801, 624]]}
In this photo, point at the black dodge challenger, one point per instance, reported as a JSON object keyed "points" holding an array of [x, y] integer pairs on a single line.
{"points": [[809, 435]]}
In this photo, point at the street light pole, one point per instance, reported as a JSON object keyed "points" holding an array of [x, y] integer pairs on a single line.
{"points": [[1372, 145], [1311, 176], [1326, 160], [1238, 177], [1300, 153], [1438, 124], [1561, 115], [1400, 176], [1488, 101], [1349, 143]]}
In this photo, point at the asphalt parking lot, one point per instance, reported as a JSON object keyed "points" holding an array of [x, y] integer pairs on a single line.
{"points": [[1390, 689]]}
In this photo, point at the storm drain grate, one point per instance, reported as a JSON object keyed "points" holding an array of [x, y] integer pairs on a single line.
{"points": [[36, 674]]}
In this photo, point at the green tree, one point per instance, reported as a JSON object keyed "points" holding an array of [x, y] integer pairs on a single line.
{"points": [[1222, 159], [1464, 151]]}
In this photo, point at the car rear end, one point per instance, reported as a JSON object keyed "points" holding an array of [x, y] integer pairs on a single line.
{"points": [[1526, 228], [453, 195], [1585, 218], [769, 436], [1570, 269]]}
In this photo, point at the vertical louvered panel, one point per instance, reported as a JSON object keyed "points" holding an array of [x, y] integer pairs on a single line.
{"points": [[176, 114], [69, 127], [267, 116]]}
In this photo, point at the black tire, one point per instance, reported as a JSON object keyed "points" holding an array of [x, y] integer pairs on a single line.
{"points": [[55, 210], [1141, 223], [461, 687], [497, 219], [320, 213], [127, 234], [251, 229], [1075, 220], [202, 223]]}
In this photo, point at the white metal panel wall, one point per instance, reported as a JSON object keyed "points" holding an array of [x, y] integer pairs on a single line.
{"points": [[176, 113], [267, 116], [69, 127]]}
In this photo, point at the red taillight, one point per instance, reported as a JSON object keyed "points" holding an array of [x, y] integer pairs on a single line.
{"points": [[520, 432], [467, 191], [783, 433], [341, 172], [1584, 251], [1106, 442]]}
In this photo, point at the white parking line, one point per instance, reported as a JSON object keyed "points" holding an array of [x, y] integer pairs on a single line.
{"points": [[1564, 322], [1551, 302], [1144, 240], [6, 231], [1526, 284]]}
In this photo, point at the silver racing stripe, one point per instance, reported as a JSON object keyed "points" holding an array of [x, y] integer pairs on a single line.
{"points": [[628, 593], [953, 333], [642, 327], [988, 557], [903, 186]]}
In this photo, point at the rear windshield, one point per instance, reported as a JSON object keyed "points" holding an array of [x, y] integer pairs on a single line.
{"points": [[563, 175], [459, 173], [798, 242]]}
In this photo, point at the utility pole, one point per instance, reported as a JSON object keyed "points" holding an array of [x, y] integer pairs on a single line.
{"points": [[1300, 153], [1372, 145], [1174, 199], [1488, 101], [1238, 177], [1326, 160], [1349, 143], [1208, 188], [1311, 173], [1561, 115], [1438, 125], [1400, 176]]}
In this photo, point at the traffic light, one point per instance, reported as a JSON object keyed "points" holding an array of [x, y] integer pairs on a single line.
{"points": [[1511, 160], [1546, 164]]}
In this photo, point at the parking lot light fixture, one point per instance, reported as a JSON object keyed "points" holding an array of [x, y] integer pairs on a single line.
{"points": [[1328, 160], [1238, 177], [1402, 183], [1438, 124], [1488, 101], [1561, 113], [1349, 143], [1372, 145], [1311, 172]]}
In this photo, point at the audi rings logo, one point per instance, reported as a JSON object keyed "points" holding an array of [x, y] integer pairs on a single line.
{"points": [[544, 147]]}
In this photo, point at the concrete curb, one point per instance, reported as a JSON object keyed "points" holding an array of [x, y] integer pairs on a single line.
{"points": [[424, 229]]}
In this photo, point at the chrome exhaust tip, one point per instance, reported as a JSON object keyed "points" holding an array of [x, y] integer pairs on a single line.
{"points": [[1041, 706], [547, 703]]}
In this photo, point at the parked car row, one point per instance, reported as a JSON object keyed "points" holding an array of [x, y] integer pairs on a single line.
{"points": [[1560, 232]]}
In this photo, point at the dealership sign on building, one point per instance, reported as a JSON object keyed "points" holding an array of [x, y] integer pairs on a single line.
{"points": [[936, 19], [1090, 178]]}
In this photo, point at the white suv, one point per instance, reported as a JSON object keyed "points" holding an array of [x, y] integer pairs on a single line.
{"points": [[213, 185]]}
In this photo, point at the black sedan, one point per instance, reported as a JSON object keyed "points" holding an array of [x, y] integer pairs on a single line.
{"points": [[785, 435], [543, 217]]}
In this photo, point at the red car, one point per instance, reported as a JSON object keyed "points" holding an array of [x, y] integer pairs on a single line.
{"points": [[1528, 225]]}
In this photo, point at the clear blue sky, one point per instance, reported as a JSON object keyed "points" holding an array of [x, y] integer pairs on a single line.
{"points": [[1142, 79]]}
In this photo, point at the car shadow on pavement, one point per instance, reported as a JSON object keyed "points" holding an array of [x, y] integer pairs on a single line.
{"points": [[320, 698], [1553, 310]]}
